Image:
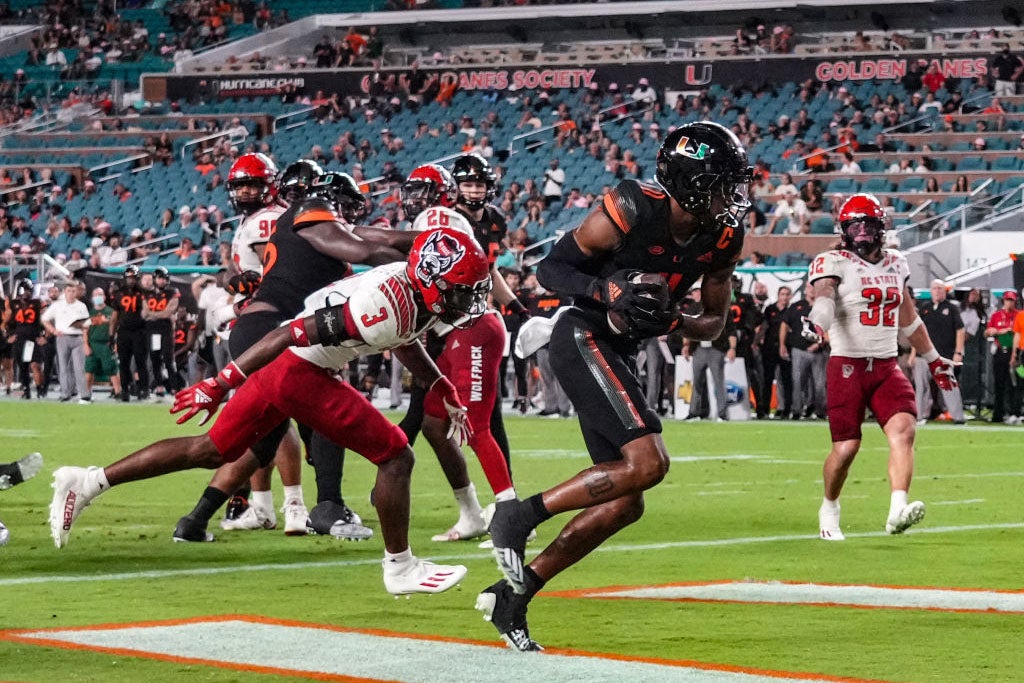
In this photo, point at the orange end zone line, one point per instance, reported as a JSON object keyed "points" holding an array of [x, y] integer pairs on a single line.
{"points": [[595, 592], [17, 635]]}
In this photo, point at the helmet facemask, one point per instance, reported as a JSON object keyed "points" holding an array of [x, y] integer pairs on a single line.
{"points": [[463, 304], [863, 235], [417, 197]]}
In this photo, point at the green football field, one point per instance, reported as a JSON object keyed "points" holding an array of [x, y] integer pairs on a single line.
{"points": [[736, 581]]}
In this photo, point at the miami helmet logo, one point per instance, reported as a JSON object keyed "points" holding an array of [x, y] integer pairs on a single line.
{"points": [[699, 153], [438, 256]]}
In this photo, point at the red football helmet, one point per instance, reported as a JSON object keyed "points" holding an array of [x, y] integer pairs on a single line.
{"points": [[250, 182], [862, 224], [428, 185], [450, 271]]}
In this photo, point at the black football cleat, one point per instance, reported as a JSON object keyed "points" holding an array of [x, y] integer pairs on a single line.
{"points": [[509, 532], [190, 530], [507, 611]]}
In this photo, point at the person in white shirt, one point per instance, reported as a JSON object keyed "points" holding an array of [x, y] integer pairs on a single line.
{"points": [[644, 92], [554, 178], [66, 319], [794, 209], [849, 165]]}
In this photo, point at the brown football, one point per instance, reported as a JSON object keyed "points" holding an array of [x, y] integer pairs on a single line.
{"points": [[617, 323]]}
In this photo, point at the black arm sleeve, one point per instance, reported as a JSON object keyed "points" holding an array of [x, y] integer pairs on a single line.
{"points": [[562, 270], [331, 325]]}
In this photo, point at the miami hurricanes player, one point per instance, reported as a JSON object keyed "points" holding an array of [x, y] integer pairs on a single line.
{"points": [[389, 307], [863, 304]]}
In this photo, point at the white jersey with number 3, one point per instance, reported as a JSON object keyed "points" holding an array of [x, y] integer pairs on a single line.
{"points": [[380, 308], [255, 229], [868, 300]]}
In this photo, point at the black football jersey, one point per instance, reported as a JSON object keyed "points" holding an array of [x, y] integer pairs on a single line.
{"points": [[129, 305], [157, 300], [641, 212], [489, 231], [292, 268], [25, 321]]}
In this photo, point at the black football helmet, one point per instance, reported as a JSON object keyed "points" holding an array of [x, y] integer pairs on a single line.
{"points": [[702, 160], [23, 287], [342, 191], [160, 271], [473, 167], [296, 179], [130, 271]]}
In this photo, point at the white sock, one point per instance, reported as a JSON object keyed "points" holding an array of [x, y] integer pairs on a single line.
{"points": [[466, 498], [830, 505], [262, 500], [897, 503], [395, 562], [293, 493], [99, 477], [507, 494]]}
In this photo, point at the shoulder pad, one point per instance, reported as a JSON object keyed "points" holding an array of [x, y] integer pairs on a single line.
{"points": [[629, 203], [314, 210]]}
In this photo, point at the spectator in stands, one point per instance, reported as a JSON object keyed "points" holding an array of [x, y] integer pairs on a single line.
{"points": [[961, 184], [954, 105], [849, 164], [903, 165], [205, 164], [111, 254], [794, 211], [931, 184], [554, 178], [786, 185], [1007, 68], [644, 94], [812, 195]]}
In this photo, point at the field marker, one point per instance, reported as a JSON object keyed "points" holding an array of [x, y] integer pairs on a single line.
{"points": [[19, 433], [969, 501], [612, 548], [819, 595], [324, 652]]}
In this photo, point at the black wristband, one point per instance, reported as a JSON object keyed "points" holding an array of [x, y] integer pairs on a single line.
{"points": [[516, 306], [330, 325]]}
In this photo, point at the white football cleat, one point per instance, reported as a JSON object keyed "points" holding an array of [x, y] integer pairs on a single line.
{"points": [[464, 530], [72, 493], [248, 520], [5, 535], [828, 524], [295, 517], [421, 576], [910, 515]]}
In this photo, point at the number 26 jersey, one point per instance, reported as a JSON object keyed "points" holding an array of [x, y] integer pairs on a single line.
{"points": [[868, 299]]}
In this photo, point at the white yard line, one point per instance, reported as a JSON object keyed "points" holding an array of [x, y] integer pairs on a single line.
{"points": [[613, 548]]}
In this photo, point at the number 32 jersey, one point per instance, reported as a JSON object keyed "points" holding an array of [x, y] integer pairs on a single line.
{"points": [[254, 230], [868, 299], [380, 314]]}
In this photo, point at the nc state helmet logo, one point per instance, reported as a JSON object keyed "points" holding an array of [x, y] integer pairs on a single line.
{"points": [[438, 255], [699, 153]]}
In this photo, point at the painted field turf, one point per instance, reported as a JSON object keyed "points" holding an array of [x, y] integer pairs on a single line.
{"points": [[739, 504]]}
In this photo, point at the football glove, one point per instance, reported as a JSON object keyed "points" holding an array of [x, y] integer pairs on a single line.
{"points": [[811, 331], [942, 373], [644, 323], [245, 283], [458, 416], [620, 294], [207, 395]]}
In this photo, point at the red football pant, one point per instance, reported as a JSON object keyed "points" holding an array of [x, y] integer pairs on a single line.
{"points": [[471, 360]]}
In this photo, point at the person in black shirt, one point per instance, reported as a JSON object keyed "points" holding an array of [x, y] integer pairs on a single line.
{"points": [[162, 303], [807, 359], [941, 317], [1006, 68], [128, 329], [23, 326], [772, 361], [747, 316], [685, 227]]}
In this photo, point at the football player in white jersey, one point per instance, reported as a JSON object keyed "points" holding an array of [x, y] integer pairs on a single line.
{"points": [[253, 191], [446, 279], [250, 186], [862, 303]]}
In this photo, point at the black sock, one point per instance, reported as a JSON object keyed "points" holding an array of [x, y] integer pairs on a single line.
{"points": [[208, 504], [328, 460], [538, 512], [533, 582]]}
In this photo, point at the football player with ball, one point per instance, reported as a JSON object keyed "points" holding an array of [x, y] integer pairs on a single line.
{"points": [[686, 226]]}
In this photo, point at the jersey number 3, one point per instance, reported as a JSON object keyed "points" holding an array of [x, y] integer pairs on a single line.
{"points": [[881, 306], [370, 320]]}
